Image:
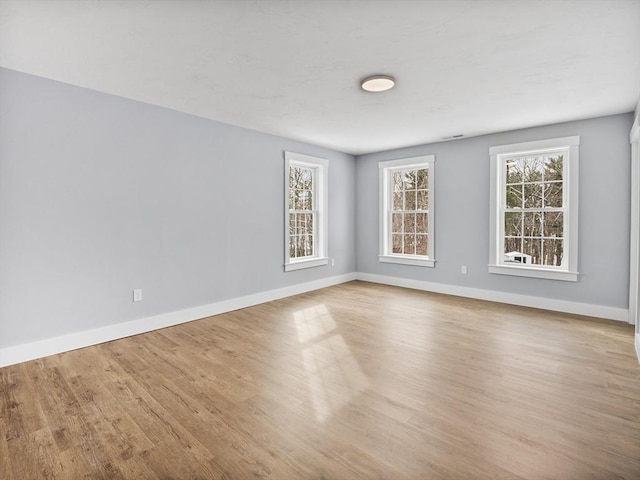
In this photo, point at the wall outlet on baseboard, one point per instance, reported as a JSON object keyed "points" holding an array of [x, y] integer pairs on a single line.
{"points": [[463, 270], [137, 295]]}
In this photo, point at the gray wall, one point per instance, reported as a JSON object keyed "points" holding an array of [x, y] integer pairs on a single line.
{"points": [[100, 195], [462, 213]]}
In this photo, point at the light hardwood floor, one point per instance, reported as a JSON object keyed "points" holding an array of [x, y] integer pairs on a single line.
{"points": [[358, 381]]}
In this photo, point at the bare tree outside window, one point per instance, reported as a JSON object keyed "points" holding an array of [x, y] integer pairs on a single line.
{"points": [[301, 212], [407, 204], [305, 211], [533, 214], [410, 212]]}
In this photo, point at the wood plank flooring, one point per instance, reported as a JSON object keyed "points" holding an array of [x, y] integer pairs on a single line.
{"points": [[357, 381]]}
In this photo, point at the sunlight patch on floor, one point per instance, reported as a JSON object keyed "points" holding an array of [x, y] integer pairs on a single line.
{"points": [[334, 376]]}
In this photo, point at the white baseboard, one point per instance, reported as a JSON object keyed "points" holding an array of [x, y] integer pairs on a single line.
{"points": [[73, 341], [599, 311]]}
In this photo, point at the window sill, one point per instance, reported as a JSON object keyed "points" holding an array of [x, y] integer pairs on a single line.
{"points": [[416, 261], [307, 263], [534, 272]]}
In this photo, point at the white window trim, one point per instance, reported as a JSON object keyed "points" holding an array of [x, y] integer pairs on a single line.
{"points": [[385, 195], [570, 191], [321, 167]]}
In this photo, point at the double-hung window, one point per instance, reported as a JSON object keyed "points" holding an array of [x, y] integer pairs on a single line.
{"points": [[534, 214], [305, 211], [407, 211]]}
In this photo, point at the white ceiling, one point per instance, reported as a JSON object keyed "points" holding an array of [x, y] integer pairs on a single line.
{"points": [[292, 68]]}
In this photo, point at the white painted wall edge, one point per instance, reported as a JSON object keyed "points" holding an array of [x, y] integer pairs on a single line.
{"points": [[637, 342], [73, 341], [599, 311]]}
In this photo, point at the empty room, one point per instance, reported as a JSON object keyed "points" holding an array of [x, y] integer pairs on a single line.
{"points": [[320, 239]]}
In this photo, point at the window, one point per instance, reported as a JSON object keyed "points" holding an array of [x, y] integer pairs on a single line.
{"points": [[406, 211], [306, 211], [534, 214]]}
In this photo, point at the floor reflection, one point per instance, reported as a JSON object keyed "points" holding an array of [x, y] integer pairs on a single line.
{"points": [[333, 374]]}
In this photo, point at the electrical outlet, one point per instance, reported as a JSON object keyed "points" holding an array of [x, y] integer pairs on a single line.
{"points": [[463, 270], [137, 295], [333, 262]]}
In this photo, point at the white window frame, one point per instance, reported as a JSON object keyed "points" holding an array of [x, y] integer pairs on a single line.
{"points": [[320, 168], [385, 193], [569, 270]]}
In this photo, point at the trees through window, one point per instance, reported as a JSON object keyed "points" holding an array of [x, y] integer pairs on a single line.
{"points": [[305, 211], [534, 209], [302, 214], [534, 214], [406, 192]]}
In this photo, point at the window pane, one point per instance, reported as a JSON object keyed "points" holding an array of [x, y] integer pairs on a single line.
{"points": [[300, 245], [410, 180], [532, 224], [422, 200], [410, 200], [553, 168], [514, 171], [553, 195], [301, 178], [512, 245], [397, 181], [294, 175], [291, 200], [409, 223], [409, 244], [309, 223], [512, 224], [308, 240], [553, 252], [397, 200], [293, 218], [532, 168], [292, 223], [309, 200], [396, 222], [533, 247], [553, 224], [397, 243], [422, 222], [298, 200], [300, 224], [304, 200], [421, 244], [533, 195], [292, 246], [514, 196], [423, 178], [307, 179]]}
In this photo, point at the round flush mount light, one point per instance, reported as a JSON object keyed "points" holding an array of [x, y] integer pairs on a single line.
{"points": [[377, 83]]}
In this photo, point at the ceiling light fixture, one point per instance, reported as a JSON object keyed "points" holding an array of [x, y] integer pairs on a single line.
{"points": [[377, 83]]}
